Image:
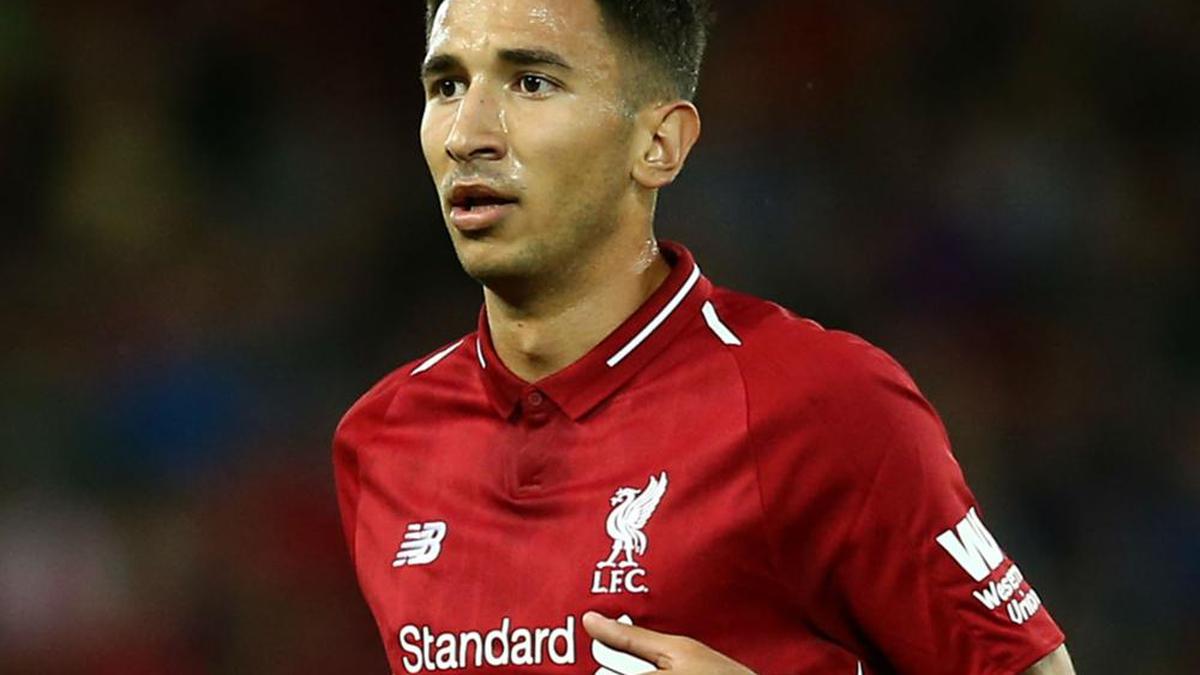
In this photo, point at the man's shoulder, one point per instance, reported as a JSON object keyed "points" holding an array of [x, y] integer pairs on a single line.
{"points": [[795, 356], [441, 370], [849, 402]]}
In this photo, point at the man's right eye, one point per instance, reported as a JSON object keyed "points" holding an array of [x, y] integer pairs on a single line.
{"points": [[448, 88]]}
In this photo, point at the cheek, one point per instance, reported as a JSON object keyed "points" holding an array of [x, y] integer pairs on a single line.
{"points": [[433, 139], [573, 157]]}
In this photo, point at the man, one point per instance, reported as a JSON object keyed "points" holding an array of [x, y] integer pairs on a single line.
{"points": [[746, 491]]}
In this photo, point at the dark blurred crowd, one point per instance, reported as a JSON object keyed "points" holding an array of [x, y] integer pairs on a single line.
{"points": [[218, 230]]}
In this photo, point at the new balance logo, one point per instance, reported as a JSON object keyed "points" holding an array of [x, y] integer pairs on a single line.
{"points": [[422, 544], [972, 547]]}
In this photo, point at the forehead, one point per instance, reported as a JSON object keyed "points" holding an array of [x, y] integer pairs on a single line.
{"points": [[572, 28]]}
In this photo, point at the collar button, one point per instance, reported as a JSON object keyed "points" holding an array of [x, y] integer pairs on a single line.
{"points": [[535, 399]]}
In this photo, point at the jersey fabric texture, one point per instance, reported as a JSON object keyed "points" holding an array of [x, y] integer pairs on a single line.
{"points": [[717, 468]]}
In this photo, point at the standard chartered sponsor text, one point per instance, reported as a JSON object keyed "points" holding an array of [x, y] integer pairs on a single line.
{"points": [[427, 651]]}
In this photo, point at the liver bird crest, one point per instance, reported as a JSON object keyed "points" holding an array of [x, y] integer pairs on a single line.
{"points": [[631, 509]]}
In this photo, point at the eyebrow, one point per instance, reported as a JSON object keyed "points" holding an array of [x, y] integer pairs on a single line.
{"points": [[534, 57], [440, 64]]}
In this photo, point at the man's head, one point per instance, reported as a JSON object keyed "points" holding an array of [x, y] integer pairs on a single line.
{"points": [[550, 125], [664, 40]]}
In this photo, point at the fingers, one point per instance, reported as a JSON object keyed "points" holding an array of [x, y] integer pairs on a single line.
{"points": [[625, 643], [650, 645], [617, 662]]}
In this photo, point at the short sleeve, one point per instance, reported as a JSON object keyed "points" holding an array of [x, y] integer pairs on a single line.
{"points": [[910, 576], [922, 576]]}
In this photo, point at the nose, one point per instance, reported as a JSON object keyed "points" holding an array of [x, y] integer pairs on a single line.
{"points": [[478, 131]]}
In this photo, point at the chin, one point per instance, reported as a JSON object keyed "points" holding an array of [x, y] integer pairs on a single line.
{"points": [[491, 262]]}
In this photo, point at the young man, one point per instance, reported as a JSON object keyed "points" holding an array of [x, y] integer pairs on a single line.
{"points": [[747, 491]]}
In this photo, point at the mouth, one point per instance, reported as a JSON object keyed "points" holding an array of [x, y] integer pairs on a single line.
{"points": [[476, 206]]}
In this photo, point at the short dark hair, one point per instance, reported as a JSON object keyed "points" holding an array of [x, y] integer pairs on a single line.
{"points": [[669, 34]]}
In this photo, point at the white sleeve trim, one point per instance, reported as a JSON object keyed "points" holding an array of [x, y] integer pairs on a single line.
{"points": [[436, 358], [714, 322]]}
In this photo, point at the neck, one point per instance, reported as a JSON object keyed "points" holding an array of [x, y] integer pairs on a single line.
{"points": [[544, 332]]}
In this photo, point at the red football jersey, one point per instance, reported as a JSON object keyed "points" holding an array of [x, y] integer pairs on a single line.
{"points": [[716, 468]]}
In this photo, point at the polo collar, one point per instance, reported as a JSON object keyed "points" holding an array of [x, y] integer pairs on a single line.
{"points": [[587, 382]]}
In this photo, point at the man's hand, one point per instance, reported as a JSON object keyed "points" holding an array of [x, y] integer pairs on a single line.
{"points": [[680, 654], [675, 653]]}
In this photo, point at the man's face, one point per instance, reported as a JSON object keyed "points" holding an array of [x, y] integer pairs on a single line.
{"points": [[526, 132]]}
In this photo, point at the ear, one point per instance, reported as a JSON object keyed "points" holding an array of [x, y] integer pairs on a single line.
{"points": [[669, 131]]}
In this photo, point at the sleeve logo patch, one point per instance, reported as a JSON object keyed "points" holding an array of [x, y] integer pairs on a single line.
{"points": [[975, 550], [972, 546], [422, 543]]}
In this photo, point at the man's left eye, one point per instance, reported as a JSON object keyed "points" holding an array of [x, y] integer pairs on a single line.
{"points": [[534, 84]]}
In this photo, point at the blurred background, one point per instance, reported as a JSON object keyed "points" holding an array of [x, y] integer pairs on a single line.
{"points": [[218, 231]]}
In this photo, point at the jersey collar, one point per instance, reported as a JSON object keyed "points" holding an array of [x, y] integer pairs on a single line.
{"points": [[584, 384]]}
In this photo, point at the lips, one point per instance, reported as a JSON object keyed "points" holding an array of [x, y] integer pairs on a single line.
{"points": [[469, 196], [476, 206]]}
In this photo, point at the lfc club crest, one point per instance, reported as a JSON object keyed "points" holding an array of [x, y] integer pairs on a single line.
{"points": [[631, 508]]}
